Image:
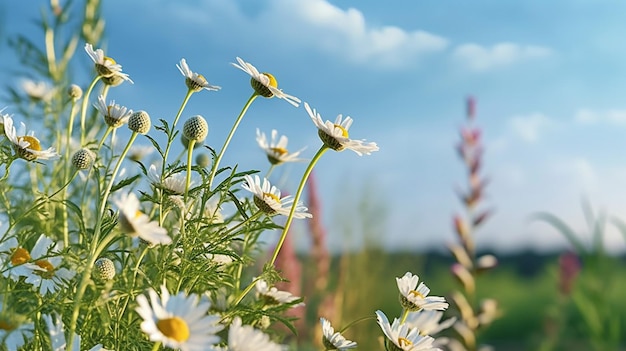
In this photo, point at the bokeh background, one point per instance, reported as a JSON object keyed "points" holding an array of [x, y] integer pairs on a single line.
{"points": [[548, 81]]}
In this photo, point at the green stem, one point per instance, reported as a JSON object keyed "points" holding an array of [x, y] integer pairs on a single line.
{"points": [[189, 160], [83, 110], [246, 291], [405, 314], [169, 142], [269, 171], [216, 164], [296, 197], [355, 322]]}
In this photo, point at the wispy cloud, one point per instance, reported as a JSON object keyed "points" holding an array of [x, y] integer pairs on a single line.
{"points": [[530, 127], [612, 117], [479, 58]]}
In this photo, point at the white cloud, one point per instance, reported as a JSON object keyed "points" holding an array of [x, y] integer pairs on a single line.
{"points": [[612, 117], [529, 127], [479, 58], [302, 25]]}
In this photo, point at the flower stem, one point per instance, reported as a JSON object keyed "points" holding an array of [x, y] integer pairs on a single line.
{"points": [[246, 291], [349, 325], [83, 110], [189, 158], [307, 172], [216, 164], [169, 142]]}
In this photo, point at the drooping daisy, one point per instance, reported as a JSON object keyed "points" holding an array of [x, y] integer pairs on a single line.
{"points": [[26, 146], [273, 296], [52, 277], [276, 148], [332, 340], [415, 298], [37, 90], [180, 321], [265, 84], [195, 81], [400, 337], [335, 135], [246, 338], [105, 66], [174, 182], [136, 224], [15, 260], [267, 198], [57, 335], [428, 321], [114, 115], [14, 330]]}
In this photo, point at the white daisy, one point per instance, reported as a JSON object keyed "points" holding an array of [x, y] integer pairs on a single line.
{"points": [[135, 223], [246, 338], [105, 66], [180, 321], [273, 296], [335, 135], [26, 146], [276, 148], [195, 81], [332, 340], [15, 260], [267, 198], [174, 182], [264, 83], [57, 335], [14, 331], [114, 115], [415, 298], [400, 337], [37, 90], [428, 321], [45, 254]]}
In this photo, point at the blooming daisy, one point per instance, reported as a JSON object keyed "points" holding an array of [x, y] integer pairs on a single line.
{"points": [[415, 298], [37, 90], [195, 81], [14, 331], [265, 84], [246, 338], [335, 135], [52, 277], [15, 260], [114, 115], [174, 182], [276, 149], [267, 198], [332, 340], [57, 335], [135, 223], [274, 296], [400, 337], [105, 66], [26, 146], [180, 321], [428, 321]]}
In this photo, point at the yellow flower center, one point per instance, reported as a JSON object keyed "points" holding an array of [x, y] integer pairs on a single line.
{"points": [[174, 328], [6, 325], [279, 150], [417, 294], [402, 342], [273, 83], [272, 196], [344, 132], [20, 256], [108, 59], [49, 268], [34, 142]]}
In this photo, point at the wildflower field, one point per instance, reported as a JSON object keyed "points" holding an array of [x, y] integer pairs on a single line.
{"points": [[123, 229]]}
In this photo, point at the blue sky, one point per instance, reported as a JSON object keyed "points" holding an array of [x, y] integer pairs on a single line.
{"points": [[548, 78]]}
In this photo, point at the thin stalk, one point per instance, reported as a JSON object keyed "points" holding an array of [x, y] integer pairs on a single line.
{"points": [[307, 172], [216, 164], [83, 109]]}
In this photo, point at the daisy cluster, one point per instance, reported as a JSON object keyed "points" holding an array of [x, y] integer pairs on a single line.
{"points": [[126, 233]]}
